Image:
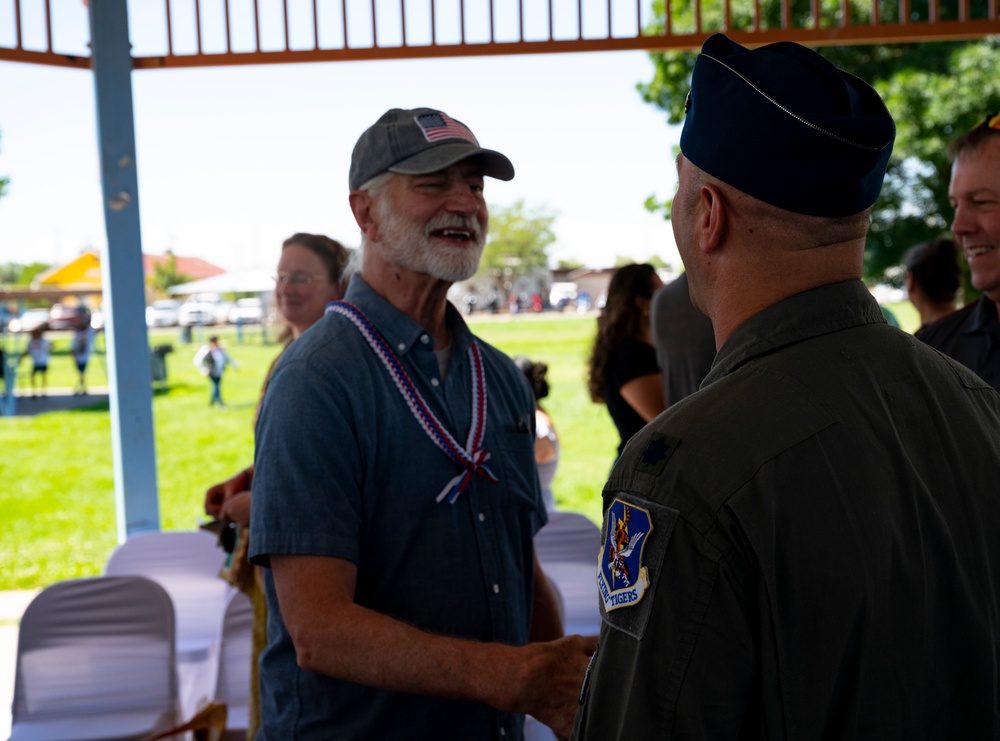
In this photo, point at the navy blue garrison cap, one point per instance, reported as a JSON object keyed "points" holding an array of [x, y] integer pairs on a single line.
{"points": [[785, 126]]}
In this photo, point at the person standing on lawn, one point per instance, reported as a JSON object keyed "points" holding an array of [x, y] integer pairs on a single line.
{"points": [[81, 348], [806, 547], [212, 361], [39, 350]]}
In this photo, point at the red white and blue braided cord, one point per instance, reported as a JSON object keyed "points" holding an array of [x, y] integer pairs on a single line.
{"points": [[472, 458]]}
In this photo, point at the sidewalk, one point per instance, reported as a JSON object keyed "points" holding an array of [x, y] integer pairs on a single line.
{"points": [[58, 400], [12, 606]]}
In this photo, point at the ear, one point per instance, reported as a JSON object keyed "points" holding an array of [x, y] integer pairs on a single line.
{"points": [[712, 216], [363, 208]]}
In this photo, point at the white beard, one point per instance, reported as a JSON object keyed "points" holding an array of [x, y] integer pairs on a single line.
{"points": [[412, 247]]}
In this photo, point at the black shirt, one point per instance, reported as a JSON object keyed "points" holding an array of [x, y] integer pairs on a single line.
{"points": [[822, 561], [971, 336], [630, 360]]}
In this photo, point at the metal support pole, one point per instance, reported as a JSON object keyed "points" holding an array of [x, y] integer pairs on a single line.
{"points": [[129, 372]]}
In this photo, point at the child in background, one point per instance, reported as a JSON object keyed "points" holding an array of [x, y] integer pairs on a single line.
{"points": [[39, 350]]}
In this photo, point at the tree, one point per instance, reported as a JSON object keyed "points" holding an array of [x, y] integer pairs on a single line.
{"points": [[18, 274], [165, 274], [935, 91], [518, 242]]}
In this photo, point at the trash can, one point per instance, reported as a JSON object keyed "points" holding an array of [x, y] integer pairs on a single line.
{"points": [[158, 362], [186, 334]]}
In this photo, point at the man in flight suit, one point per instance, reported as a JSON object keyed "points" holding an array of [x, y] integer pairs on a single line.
{"points": [[806, 547]]}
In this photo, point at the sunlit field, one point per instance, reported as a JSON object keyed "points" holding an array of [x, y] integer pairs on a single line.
{"points": [[57, 500]]}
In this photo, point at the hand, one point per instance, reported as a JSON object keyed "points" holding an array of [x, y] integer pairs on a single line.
{"points": [[236, 508], [550, 688], [217, 495]]}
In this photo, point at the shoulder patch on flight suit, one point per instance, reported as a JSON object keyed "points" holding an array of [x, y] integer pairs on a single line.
{"points": [[658, 450], [634, 540]]}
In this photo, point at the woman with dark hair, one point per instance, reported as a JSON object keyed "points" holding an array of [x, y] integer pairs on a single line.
{"points": [[623, 370], [310, 275], [546, 439], [933, 279]]}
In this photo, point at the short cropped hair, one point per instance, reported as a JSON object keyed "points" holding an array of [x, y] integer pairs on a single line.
{"points": [[973, 140]]}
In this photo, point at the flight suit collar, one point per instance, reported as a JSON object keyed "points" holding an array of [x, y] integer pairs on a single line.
{"points": [[829, 308]]}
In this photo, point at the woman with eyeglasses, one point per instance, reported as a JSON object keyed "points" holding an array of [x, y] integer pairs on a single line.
{"points": [[624, 374], [310, 275]]}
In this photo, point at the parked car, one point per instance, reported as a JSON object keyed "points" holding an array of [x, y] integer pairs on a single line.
{"points": [[163, 313], [562, 294], [247, 311], [193, 313], [29, 320], [64, 317]]}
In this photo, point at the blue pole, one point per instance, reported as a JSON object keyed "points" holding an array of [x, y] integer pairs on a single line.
{"points": [[132, 440]]}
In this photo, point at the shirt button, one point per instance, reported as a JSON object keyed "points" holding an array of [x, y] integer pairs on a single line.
{"points": [[401, 346], [482, 517], [435, 383], [496, 589], [425, 338]]}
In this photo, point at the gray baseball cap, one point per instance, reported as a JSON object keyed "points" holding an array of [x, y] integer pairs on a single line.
{"points": [[418, 142]]}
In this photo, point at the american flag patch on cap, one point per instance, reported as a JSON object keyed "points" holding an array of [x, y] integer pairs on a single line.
{"points": [[437, 126]]}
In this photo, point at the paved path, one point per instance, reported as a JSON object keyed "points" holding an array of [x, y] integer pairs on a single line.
{"points": [[58, 400], [12, 606]]}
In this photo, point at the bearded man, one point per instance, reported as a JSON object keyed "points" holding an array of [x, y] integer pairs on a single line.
{"points": [[395, 493]]}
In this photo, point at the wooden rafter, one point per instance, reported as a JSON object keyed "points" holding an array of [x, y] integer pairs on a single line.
{"points": [[392, 29]]}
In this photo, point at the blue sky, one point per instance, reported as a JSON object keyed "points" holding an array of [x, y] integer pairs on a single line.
{"points": [[233, 160]]}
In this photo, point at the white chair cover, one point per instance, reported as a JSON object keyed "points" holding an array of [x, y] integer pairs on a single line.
{"points": [[95, 661], [186, 564], [233, 685], [568, 548]]}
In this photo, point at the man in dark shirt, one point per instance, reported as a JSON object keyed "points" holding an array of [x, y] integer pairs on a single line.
{"points": [[805, 548], [684, 339], [972, 335]]}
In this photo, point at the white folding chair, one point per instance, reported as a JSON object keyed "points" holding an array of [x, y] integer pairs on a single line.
{"points": [[233, 684], [95, 661], [186, 564], [567, 548]]}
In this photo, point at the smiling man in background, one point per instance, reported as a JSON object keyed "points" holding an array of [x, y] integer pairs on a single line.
{"points": [[971, 335]]}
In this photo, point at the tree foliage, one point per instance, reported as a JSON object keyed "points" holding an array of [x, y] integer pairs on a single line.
{"points": [[18, 274], [165, 275], [518, 242], [935, 91]]}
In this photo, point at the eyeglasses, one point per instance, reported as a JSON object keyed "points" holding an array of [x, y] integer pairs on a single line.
{"points": [[296, 279]]}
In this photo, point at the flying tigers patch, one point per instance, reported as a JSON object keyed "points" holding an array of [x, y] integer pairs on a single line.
{"points": [[621, 577], [633, 543]]}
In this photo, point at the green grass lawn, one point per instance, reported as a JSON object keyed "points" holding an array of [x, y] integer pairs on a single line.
{"points": [[57, 500]]}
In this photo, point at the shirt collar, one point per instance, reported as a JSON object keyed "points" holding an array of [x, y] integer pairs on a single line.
{"points": [[399, 330], [984, 318], [816, 312]]}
